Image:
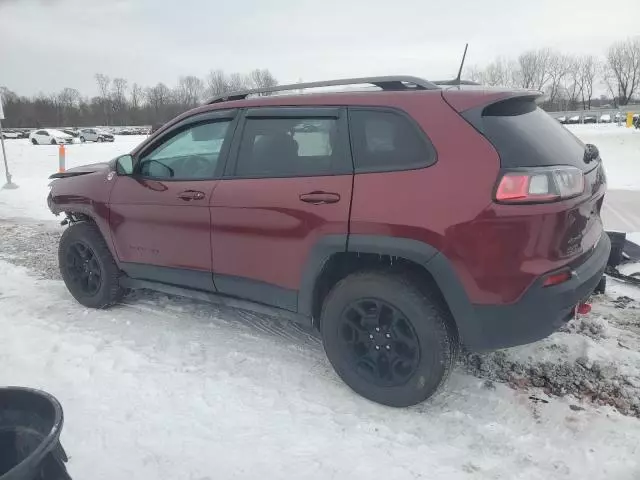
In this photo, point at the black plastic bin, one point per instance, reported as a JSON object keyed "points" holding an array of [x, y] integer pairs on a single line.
{"points": [[30, 425]]}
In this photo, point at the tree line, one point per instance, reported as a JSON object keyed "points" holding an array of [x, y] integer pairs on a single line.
{"points": [[120, 103], [567, 80]]}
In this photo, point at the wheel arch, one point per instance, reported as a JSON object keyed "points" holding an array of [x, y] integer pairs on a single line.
{"points": [[333, 257]]}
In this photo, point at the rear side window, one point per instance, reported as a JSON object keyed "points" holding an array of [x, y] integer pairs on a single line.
{"points": [[385, 140], [284, 147], [526, 136]]}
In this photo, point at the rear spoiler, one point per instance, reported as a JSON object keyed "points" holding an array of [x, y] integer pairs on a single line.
{"points": [[467, 98]]}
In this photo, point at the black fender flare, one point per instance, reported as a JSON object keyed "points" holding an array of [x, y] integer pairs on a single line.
{"points": [[420, 253]]}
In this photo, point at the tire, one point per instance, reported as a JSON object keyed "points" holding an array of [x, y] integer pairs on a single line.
{"points": [[100, 139], [91, 277], [34, 141], [53, 142], [82, 140], [418, 314]]}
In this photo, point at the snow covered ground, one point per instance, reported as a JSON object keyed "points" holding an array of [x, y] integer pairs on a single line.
{"points": [[163, 387]]}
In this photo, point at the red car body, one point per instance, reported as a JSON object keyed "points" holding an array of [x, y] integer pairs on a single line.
{"points": [[283, 241]]}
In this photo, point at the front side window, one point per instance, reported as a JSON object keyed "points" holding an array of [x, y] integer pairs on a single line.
{"points": [[281, 147], [191, 154], [384, 140]]}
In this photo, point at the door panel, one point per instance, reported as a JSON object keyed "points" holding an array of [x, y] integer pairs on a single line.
{"points": [[151, 223], [263, 231]]}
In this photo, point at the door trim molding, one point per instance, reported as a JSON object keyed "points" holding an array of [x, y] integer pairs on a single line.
{"points": [[195, 279]]}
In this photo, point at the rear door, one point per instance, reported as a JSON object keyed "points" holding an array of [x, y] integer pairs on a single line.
{"points": [[159, 216], [287, 184]]}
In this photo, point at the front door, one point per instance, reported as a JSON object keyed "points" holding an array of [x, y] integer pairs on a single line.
{"points": [[159, 216], [287, 184]]}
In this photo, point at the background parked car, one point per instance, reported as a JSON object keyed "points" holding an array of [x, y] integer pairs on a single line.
{"points": [[574, 119], [69, 131], [24, 134], [49, 136], [589, 119], [562, 119], [95, 135], [605, 118], [10, 134]]}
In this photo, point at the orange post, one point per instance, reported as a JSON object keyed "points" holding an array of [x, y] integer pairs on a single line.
{"points": [[61, 159]]}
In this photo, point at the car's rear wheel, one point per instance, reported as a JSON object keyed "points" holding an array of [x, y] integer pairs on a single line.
{"points": [[389, 340], [87, 267], [34, 141], [100, 139], [82, 140], [53, 142]]}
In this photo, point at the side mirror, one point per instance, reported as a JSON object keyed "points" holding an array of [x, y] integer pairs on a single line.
{"points": [[124, 165], [155, 169]]}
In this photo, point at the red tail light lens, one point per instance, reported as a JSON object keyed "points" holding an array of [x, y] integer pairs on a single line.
{"points": [[556, 278], [540, 185]]}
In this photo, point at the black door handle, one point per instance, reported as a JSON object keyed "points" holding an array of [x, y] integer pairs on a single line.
{"points": [[189, 195], [319, 198]]}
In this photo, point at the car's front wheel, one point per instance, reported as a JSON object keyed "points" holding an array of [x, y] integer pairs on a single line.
{"points": [[87, 266], [82, 140], [100, 139], [53, 142], [389, 340], [34, 141]]}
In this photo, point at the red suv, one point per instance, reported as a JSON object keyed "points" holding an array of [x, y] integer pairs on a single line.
{"points": [[401, 223]]}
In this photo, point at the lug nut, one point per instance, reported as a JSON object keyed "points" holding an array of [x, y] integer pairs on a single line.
{"points": [[371, 336], [377, 347], [388, 335], [377, 329], [388, 347]]}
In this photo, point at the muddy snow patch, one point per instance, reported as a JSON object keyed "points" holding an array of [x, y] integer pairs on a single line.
{"points": [[595, 358]]}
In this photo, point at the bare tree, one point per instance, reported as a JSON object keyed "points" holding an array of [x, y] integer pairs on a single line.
{"points": [[623, 64], [475, 74], [572, 82], [558, 67], [190, 89], [103, 89], [501, 72], [137, 94], [217, 83], [158, 97], [535, 68], [589, 70], [237, 82], [118, 95], [261, 79]]}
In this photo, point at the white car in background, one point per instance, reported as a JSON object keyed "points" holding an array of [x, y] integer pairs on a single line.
{"points": [[49, 136], [95, 135], [605, 118]]}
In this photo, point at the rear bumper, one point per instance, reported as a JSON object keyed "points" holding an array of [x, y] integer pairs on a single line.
{"points": [[541, 310]]}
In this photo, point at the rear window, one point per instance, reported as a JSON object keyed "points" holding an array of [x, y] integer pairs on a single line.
{"points": [[384, 140], [526, 136]]}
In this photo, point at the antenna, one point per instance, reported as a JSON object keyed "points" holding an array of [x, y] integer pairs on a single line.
{"points": [[464, 55]]}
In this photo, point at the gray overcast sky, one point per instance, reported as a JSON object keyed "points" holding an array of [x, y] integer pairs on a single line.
{"points": [[46, 45]]}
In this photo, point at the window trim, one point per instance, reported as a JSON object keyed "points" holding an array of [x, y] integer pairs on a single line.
{"points": [[339, 113], [190, 122], [429, 145]]}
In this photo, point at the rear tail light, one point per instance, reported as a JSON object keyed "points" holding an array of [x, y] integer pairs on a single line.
{"points": [[557, 278], [540, 185]]}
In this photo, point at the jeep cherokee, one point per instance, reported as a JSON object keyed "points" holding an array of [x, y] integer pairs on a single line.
{"points": [[402, 223]]}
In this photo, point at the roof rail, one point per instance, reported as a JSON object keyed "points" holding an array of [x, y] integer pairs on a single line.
{"points": [[402, 82]]}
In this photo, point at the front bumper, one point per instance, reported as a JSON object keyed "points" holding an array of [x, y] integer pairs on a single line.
{"points": [[541, 310]]}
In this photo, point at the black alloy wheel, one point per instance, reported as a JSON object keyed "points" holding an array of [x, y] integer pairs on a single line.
{"points": [[380, 341], [83, 268]]}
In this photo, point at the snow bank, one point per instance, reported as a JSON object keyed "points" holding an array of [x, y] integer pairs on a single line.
{"points": [[165, 388]]}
